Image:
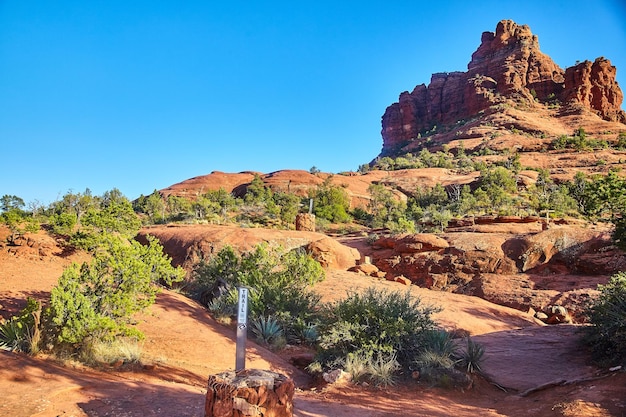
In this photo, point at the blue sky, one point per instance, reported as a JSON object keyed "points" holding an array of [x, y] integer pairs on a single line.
{"points": [[139, 95]]}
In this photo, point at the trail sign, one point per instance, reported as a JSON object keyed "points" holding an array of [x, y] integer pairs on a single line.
{"points": [[242, 329]]}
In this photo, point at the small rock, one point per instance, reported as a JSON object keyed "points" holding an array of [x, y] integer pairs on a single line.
{"points": [[403, 280], [338, 375]]}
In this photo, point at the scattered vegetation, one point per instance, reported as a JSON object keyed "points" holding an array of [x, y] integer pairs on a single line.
{"points": [[279, 288], [375, 336], [579, 141]]}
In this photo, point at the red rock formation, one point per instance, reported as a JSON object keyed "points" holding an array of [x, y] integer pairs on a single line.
{"points": [[593, 85], [508, 65]]}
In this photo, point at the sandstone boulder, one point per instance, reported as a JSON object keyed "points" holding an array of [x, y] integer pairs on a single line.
{"points": [[420, 242], [188, 244]]}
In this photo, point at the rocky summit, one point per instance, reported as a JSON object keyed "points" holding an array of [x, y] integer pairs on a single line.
{"points": [[507, 69]]}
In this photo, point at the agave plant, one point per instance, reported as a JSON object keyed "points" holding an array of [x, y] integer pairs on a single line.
{"points": [[268, 331], [302, 333], [13, 335]]}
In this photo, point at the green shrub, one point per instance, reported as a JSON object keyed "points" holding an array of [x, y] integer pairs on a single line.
{"points": [[619, 233], [300, 332], [18, 222], [607, 315], [439, 341], [278, 281], [96, 301], [12, 335], [373, 324], [331, 202], [621, 141]]}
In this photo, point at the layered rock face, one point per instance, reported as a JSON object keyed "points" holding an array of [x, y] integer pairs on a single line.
{"points": [[508, 65]]}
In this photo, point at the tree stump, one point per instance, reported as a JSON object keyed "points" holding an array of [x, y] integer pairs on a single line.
{"points": [[305, 222], [249, 393]]}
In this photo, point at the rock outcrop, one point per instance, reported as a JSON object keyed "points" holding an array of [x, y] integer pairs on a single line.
{"points": [[524, 270], [507, 67], [189, 244]]}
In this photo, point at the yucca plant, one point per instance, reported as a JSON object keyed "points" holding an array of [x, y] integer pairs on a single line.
{"points": [[21, 332], [357, 365], [383, 370], [471, 358]]}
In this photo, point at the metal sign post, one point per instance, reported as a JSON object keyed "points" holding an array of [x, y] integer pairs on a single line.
{"points": [[242, 328]]}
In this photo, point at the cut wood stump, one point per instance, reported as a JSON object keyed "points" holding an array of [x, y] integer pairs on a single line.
{"points": [[249, 393]]}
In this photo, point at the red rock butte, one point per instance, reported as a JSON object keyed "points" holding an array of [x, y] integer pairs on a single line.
{"points": [[507, 68]]}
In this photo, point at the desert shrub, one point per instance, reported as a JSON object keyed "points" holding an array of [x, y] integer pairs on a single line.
{"points": [[62, 223], [436, 358], [442, 368], [278, 281], [607, 315], [579, 141], [374, 324], [114, 215], [440, 342], [18, 222], [621, 141], [331, 202], [386, 210], [429, 360], [372, 238], [441, 362], [96, 301]]}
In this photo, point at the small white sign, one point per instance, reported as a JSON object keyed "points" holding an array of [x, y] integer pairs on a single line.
{"points": [[242, 315]]}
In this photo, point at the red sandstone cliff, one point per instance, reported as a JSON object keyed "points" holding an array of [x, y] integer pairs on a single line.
{"points": [[507, 67]]}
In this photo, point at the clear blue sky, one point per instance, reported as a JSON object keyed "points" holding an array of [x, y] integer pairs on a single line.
{"points": [[139, 95]]}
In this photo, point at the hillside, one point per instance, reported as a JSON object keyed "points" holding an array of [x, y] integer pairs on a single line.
{"points": [[184, 344]]}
